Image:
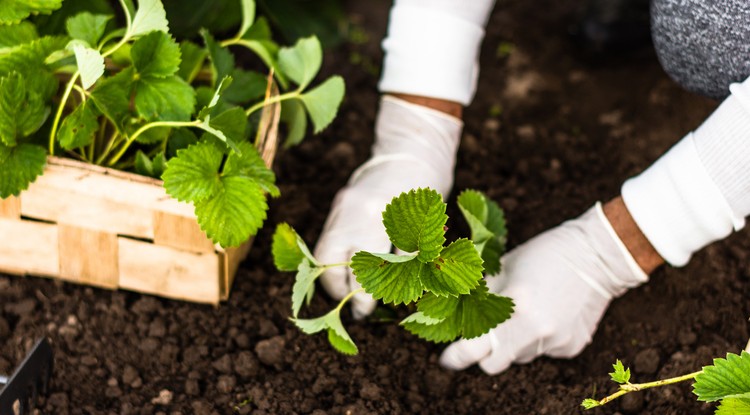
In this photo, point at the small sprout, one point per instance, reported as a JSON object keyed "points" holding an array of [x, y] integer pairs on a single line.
{"points": [[590, 403], [620, 375]]}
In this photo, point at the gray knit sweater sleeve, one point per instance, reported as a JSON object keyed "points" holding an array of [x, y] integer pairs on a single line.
{"points": [[703, 45]]}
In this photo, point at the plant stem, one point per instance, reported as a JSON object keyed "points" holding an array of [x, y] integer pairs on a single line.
{"points": [[339, 264], [348, 297], [127, 35], [272, 100], [146, 127], [635, 387], [58, 114], [110, 145]]}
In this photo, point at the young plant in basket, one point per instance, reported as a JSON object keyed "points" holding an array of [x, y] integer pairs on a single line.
{"points": [[133, 98], [445, 282], [727, 381]]}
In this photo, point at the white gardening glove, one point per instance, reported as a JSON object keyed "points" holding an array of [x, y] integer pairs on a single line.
{"points": [[561, 282], [414, 147]]}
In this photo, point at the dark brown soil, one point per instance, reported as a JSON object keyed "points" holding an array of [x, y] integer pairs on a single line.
{"points": [[547, 136]]}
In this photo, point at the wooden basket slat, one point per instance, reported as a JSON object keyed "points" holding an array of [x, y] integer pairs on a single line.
{"points": [[180, 232], [10, 208], [168, 272], [29, 248], [88, 256]]}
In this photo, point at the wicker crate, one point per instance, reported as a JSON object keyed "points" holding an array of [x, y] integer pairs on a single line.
{"points": [[102, 227]]}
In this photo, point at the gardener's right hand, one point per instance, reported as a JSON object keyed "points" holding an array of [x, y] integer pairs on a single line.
{"points": [[414, 147]]}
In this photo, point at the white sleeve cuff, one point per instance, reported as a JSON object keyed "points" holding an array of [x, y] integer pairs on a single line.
{"points": [[431, 53], [678, 206]]}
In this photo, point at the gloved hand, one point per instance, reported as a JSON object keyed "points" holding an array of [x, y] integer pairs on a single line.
{"points": [[561, 282], [414, 147]]}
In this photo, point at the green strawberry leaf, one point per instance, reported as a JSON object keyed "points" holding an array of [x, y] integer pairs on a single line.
{"points": [[620, 375], [17, 34], [733, 406], [393, 282], [79, 128], [19, 167], [456, 271], [301, 62], [249, 164], [29, 59], [222, 60], [247, 86], [293, 114], [726, 378], [22, 111], [193, 57], [473, 315], [164, 99], [304, 284], [156, 55], [143, 164], [322, 102], [234, 212], [212, 103], [13, 11], [193, 175], [179, 139], [288, 248], [337, 334], [90, 64], [150, 16], [421, 318], [229, 127], [248, 16], [487, 224], [87, 27], [415, 221], [112, 96]]}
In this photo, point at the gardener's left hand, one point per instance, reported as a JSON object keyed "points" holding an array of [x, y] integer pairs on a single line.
{"points": [[561, 282]]}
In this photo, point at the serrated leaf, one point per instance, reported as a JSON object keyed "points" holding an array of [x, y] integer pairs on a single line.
{"points": [[438, 307], [304, 284], [733, 406], [487, 224], [234, 213], [17, 34], [620, 375], [193, 175], [87, 27], [415, 221], [456, 271], [19, 167], [164, 99], [421, 318], [590, 403], [29, 59], [248, 163], [392, 282], [301, 62], [293, 114], [22, 111], [332, 323], [13, 11], [213, 102], [286, 250], [79, 128], [112, 96], [149, 16], [156, 55], [159, 165], [247, 86], [192, 60], [248, 16], [179, 139], [474, 315], [90, 64], [322, 102], [229, 127], [222, 60], [726, 378]]}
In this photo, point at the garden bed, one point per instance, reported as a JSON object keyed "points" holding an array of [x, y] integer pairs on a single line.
{"points": [[546, 137]]}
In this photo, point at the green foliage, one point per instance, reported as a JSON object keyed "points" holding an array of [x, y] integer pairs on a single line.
{"points": [[337, 334], [445, 281], [734, 406], [589, 403], [124, 93], [726, 378], [487, 224], [620, 375]]}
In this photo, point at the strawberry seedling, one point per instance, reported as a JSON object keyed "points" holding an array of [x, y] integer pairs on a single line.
{"points": [[727, 381], [134, 98], [444, 281]]}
